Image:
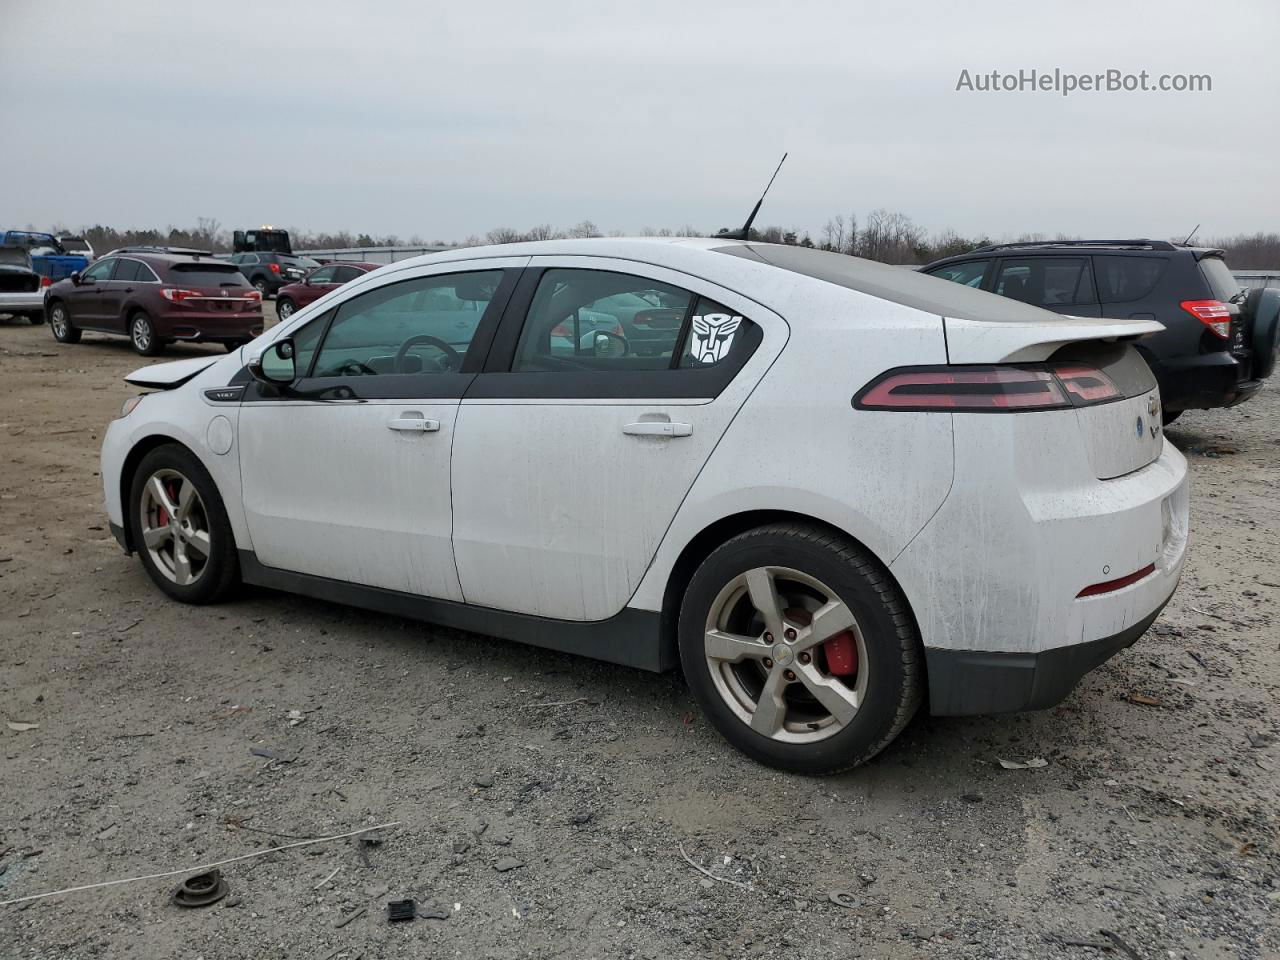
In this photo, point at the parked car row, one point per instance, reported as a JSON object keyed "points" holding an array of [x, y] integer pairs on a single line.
{"points": [[1218, 343]]}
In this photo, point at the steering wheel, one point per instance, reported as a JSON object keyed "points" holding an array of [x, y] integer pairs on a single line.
{"points": [[354, 367], [452, 357]]}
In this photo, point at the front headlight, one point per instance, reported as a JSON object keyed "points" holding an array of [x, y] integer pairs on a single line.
{"points": [[129, 405]]}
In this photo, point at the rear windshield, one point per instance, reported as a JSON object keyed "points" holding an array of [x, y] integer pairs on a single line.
{"points": [[1219, 278], [213, 274], [72, 244], [306, 263]]}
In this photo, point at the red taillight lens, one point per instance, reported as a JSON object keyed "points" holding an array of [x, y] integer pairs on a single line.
{"points": [[177, 295], [974, 389], [1214, 314], [989, 389], [275, 267], [46, 281], [251, 294], [1086, 385]]}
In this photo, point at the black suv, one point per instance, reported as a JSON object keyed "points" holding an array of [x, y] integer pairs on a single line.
{"points": [[1219, 341], [271, 271]]}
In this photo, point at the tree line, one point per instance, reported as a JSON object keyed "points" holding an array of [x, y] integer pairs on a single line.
{"points": [[889, 237]]}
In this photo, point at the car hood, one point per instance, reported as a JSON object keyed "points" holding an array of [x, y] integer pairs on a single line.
{"points": [[166, 376]]}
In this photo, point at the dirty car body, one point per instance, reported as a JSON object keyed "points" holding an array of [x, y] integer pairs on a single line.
{"points": [[20, 292], [835, 491]]}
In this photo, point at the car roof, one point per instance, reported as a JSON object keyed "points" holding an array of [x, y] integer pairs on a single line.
{"points": [[705, 257], [165, 259]]}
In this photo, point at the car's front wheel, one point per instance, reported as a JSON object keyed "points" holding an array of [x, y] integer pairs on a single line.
{"points": [[285, 308], [60, 324], [142, 334], [800, 649], [179, 527]]}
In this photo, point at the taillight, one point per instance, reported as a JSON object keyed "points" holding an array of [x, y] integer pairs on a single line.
{"points": [[988, 389], [275, 267], [177, 294], [1214, 314], [250, 294], [46, 281]]}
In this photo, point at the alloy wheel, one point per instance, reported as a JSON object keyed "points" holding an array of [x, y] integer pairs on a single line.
{"points": [[175, 527], [58, 321], [786, 654], [141, 333], [285, 310]]}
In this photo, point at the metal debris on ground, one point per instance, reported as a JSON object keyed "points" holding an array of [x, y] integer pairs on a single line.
{"points": [[707, 873], [353, 915], [1145, 700], [21, 727], [1033, 764], [843, 898], [202, 890], [400, 910]]}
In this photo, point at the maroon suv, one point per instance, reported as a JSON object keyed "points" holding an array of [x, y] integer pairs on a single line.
{"points": [[318, 282], [154, 298]]}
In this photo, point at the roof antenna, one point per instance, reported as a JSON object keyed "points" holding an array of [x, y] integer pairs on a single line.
{"points": [[1190, 235], [745, 232]]}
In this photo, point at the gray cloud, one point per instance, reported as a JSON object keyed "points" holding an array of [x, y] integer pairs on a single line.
{"points": [[448, 120]]}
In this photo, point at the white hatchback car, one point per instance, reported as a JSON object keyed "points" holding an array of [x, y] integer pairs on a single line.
{"points": [[830, 489]]}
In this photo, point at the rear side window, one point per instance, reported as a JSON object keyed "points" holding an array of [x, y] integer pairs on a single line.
{"points": [[1219, 278], [207, 274], [1046, 281], [1121, 279], [967, 274], [126, 270], [346, 274]]}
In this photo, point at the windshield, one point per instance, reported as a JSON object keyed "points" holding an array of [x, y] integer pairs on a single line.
{"points": [[15, 256]]}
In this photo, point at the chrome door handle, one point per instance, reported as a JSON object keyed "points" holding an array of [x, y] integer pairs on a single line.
{"points": [[418, 424], [658, 428]]}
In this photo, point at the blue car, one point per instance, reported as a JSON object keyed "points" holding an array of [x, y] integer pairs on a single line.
{"points": [[49, 257]]}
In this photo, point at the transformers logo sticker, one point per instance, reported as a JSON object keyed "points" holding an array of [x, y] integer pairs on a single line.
{"points": [[713, 336]]}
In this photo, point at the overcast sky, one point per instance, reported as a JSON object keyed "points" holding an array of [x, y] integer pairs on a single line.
{"points": [[449, 119]]}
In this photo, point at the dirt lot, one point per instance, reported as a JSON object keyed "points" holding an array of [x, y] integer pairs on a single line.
{"points": [[1155, 817]]}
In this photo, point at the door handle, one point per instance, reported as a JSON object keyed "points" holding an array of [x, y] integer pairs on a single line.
{"points": [[412, 424], [658, 428]]}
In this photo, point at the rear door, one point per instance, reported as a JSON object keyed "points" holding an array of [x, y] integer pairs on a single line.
{"points": [[123, 283], [573, 451], [1061, 284]]}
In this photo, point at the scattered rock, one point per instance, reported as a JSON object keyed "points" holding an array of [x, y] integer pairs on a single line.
{"points": [[484, 781], [971, 797], [508, 863]]}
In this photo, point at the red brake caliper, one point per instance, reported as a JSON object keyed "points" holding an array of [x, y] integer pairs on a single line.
{"points": [[842, 654], [163, 516]]}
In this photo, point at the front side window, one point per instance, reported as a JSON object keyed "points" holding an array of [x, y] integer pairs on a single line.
{"points": [[967, 274], [1046, 281], [100, 271], [416, 326]]}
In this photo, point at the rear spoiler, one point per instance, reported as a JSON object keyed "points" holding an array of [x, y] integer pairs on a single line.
{"points": [[166, 376], [1015, 341]]}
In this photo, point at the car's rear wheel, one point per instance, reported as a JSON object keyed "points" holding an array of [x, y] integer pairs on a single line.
{"points": [[142, 334], [60, 324], [800, 649], [260, 284], [285, 308], [179, 527]]}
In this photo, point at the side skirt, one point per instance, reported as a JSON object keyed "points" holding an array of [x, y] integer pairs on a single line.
{"points": [[631, 637]]}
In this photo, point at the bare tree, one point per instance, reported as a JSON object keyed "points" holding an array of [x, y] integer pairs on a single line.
{"points": [[584, 229], [503, 235]]}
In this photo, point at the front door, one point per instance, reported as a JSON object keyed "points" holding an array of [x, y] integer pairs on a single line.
{"points": [[606, 390], [346, 474], [84, 301]]}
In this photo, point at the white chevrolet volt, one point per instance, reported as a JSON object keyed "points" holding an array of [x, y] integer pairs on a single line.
{"points": [[830, 490]]}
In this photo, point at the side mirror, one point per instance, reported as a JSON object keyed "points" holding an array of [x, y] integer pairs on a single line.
{"points": [[75, 277], [275, 365], [605, 344]]}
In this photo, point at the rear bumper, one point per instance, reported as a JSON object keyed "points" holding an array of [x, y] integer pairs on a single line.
{"points": [[213, 326], [14, 301], [1200, 382], [970, 682]]}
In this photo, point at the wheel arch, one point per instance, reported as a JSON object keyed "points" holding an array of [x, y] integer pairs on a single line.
{"points": [[706, 540]]}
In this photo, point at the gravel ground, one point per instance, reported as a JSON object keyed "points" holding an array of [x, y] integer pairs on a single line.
{"points": [[545, 801]]}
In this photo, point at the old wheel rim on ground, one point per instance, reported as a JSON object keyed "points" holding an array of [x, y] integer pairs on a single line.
{"points": [[58, 320], [765, 646], [175, 527], [141, 332]]}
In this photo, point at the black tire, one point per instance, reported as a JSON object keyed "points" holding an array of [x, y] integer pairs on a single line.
{"points": [[895, 686], [260, 284], [1168, 416], [60, 323], [221, 571], [285, 308], [142, 334]]}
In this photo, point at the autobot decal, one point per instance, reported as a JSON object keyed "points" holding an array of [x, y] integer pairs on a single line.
{"points": [[713, 336]]}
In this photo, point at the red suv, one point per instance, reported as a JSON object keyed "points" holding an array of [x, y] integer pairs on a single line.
{"points": [[318, 282], [154, 298]]}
